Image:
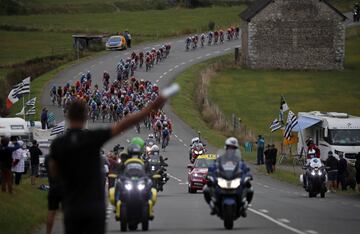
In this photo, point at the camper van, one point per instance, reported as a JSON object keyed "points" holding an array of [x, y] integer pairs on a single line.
{"points": [[14, 127], [330, 131]]}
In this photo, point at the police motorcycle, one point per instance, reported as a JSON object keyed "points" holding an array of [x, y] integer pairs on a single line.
{"points": [[157, 166], [314, 178], [229, 191], [133, 195]]}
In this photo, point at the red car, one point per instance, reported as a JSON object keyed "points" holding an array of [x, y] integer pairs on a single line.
{"points": [[198, 172]]}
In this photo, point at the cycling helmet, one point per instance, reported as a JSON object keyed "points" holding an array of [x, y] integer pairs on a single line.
{"points": [[232, 142], [195, 140], [138, 141], [155, 148], [134, 150]]}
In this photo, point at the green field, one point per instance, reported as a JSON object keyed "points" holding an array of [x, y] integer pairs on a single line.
{"points": [[17, 47], [24, 210], [255, 95]]}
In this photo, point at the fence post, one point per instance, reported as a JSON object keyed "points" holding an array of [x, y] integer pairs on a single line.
{"points": [[237, 55]]}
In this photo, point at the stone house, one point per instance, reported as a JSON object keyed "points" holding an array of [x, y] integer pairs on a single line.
{"points": [[293, 34]]}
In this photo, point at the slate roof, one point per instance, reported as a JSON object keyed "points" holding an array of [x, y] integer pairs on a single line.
{"points": [[258, 5]]}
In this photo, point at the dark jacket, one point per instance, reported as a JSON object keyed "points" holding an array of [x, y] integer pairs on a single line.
{"points": [[332, 162], [342, 166]]}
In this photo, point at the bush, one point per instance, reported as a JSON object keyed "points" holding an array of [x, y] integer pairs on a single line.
{"points": [[211, 25], [11, 7]]}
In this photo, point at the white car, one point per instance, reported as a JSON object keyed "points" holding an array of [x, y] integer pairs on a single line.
{"points": [[116, 43]]}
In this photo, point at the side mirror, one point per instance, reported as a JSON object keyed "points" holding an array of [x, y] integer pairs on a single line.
{"points": [[326, 132], [165, 159], [122, 148], [190, 166], [204, 145]]}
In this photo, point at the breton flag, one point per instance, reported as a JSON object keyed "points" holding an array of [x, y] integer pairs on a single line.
{"points": [[58, 129], [283, 108], [31, 111], [17, 91], [31, 102], [275, 125], [291, 122]]}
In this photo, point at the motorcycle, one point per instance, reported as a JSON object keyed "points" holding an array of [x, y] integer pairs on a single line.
{"points": [[356, 15], [158, 172], [133, 197], [232, 191], [196, 150], [314, 178]]}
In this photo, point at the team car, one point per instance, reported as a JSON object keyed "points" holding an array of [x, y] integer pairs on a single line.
{"points": [[197, 175], [116, 43]]}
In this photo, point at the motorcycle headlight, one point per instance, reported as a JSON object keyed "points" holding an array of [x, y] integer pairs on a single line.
{"points": [[153, 168], [229, 184], [313, 173], [196, 152], [200, 152], [128, 186], [141, 185], [319, 173]]}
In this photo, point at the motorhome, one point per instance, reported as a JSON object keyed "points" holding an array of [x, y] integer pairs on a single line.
{"points": [[14, 127], [330, 131]]}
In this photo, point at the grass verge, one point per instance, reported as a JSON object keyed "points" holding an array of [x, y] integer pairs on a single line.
{"points": [[23, 211]]}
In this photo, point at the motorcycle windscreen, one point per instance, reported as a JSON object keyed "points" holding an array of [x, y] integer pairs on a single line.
{"points": [[134, 170]]}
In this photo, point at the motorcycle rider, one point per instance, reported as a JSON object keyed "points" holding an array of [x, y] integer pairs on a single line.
{"points": [[231, 151]]}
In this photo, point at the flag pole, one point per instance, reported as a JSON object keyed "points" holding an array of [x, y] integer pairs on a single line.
{"points": [[24, 107]]}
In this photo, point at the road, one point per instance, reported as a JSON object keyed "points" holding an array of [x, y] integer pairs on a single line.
{"points": [[277, 207]]}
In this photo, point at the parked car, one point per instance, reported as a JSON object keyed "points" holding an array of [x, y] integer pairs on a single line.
{"points": [[116, 43]]}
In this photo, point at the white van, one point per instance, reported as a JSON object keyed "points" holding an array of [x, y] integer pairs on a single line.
{"points": [[14, 127], [330, 131]]}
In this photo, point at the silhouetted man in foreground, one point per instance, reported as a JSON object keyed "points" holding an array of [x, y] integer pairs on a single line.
{"points": [[75, 160]]}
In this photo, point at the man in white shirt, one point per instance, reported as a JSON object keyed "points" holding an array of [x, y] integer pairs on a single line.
{"points": [[18, 167]]}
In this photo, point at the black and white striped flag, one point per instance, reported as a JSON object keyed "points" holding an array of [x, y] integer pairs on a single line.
{"points": [[291, 122], [17, 91], [58, 129], [31, 102], [31, 111], [275, 125]]}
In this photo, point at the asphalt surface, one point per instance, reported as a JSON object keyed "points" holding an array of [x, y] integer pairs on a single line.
{"points": [[277, 207]]}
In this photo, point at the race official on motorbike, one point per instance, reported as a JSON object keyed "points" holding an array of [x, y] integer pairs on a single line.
{"points": [[232, 152]]}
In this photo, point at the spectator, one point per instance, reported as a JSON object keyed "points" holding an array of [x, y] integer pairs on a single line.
{"points": [[35, 153], [332, 165], [6, 164], [75, 160], [128, 39], [44, 118], [260, 150], [342, 172], [273, 156], [268, 161], [357, 168], [18, 165]]}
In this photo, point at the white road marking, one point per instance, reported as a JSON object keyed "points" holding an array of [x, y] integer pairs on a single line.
{"points": [[294, 230], [170, 70], [176, 136], [127, 140], [184, 183], [227, 49], [181, 140], [207, 55], [164, 73], [157, 81], [199, 57], [183, 63], [266, 186], [176, 66], [311, 232], [264, 211], [284, 220], [175, 178], [185, 145], [161, 77], [191, 60]]}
